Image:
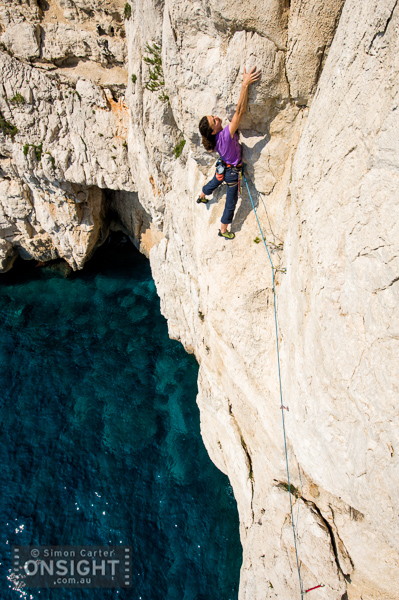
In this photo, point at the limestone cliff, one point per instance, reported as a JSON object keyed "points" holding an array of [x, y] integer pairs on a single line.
{"points": [[91, 136]]}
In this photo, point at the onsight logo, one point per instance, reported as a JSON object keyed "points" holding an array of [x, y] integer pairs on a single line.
{"points": [[72, 566]]}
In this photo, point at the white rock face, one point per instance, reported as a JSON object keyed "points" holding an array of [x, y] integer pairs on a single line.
{"points": [[23, 40], [342, 289], [312, 24], [320, 140]]}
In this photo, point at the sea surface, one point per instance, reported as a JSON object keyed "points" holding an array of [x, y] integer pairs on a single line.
{"points": [[99, 436]]}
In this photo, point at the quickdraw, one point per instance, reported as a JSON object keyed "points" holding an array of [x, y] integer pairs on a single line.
{"points": [[315, 588]]}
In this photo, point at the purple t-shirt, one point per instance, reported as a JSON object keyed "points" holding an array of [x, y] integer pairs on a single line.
{"points": [[228, 147]]}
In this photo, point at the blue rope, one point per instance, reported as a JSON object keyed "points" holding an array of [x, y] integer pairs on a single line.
{"points": [[281, 389]]}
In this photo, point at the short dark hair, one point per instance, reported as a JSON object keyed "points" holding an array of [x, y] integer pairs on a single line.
{"points": [[208, 138]]}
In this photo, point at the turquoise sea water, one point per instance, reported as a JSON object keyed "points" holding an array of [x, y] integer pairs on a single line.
{"points": [[100, 440]]}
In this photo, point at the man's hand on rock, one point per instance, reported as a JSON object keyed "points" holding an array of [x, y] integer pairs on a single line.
{"points": [[251, 77]]}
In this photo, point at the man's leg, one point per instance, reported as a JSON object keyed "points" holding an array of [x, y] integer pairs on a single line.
{"points": [[210, 187], [231, 200]]}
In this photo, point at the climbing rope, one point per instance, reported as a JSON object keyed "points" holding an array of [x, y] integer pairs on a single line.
{"points": [[280, 385]]}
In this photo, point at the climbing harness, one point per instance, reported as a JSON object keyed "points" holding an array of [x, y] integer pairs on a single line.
{"points": [[222, 167], [274, 270]]}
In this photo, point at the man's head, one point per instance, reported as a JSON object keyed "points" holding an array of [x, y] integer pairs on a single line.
{"points": [[215, 123], [209, 126]]}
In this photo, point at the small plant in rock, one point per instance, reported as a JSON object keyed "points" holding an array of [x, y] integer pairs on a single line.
{"points": [[282, 485], [127, 13], [134, 78], [7, 128], [38, 151], [163, 97], [156, 80], [52, 160], [18, 100], [256, 240], [178, 149], [78, 95]]}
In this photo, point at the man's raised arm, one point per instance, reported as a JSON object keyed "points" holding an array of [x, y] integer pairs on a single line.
{"points": [[248, 78]]}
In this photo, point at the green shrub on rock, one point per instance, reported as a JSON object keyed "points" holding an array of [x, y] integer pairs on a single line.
{"points": [[179, 148], [18, 99], [156, 81], [6, 127], [127, 11], [38, 151]]}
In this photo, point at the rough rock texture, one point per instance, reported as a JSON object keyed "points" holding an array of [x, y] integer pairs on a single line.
{"points": [[341, 289], [312, 25], [70, 145], [95, 149]]}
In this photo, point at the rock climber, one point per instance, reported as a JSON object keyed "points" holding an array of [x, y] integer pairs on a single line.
{"points": [[215, 138]]}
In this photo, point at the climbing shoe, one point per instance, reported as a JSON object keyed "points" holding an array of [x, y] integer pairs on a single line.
{"points": [[229, 235], [202, 200]]}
